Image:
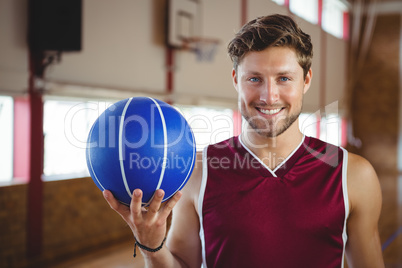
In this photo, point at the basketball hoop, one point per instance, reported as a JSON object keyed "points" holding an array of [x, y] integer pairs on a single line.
{"points": [[204, 48]]}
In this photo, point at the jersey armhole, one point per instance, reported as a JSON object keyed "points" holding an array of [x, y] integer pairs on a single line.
{"points": [[200, 203], [345, 200]]}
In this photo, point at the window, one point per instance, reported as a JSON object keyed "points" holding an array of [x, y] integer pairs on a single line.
{"points": [[279, 2], [6, 138], [67, 124], [209, 125], [333, 18], [329, 128], [66, 128], [309, 124], [306, 9], [335, 14]]}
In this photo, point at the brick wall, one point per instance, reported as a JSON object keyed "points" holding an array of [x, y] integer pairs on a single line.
{"points": [[13, 225], [375, 97], [76, 220]]}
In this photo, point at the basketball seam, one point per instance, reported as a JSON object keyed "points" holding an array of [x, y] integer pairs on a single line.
{"points": [[164, 161], [121, 159], [189, 170]]}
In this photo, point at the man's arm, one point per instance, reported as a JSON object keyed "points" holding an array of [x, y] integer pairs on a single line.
{"points": [[149, 226], [183, 239], [363, 248]]}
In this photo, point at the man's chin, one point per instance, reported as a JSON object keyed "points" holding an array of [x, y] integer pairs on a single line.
{"points": [[269, 134], [270, 130]]}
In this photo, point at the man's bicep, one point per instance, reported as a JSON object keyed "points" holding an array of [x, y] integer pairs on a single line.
{"points": [[363, 247]]}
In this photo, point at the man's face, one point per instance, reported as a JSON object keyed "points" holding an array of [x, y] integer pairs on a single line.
{"points": [[271, 86]]}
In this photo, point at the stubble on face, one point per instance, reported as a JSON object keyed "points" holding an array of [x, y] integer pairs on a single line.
{"points": [[269, 128]]}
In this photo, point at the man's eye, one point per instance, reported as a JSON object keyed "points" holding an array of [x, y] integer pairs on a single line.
{"points": [[284, 79], [254, 79]]}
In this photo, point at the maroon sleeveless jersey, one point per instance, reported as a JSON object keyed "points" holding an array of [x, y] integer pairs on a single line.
{"points": [[292, 216]]}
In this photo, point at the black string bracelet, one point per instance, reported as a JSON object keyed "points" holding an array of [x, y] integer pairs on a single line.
{"points": [[146, 248]]}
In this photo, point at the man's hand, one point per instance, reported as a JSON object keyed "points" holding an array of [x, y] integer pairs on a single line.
{"points": [[148, 225]]}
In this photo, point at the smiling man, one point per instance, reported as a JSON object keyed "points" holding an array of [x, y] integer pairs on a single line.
{"points": [[270, 197], [271, 85]]}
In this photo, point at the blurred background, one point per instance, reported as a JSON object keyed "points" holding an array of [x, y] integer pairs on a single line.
{"points": [[62, 63]]}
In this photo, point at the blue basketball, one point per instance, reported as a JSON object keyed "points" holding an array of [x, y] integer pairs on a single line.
{"points": [[140, 143]]}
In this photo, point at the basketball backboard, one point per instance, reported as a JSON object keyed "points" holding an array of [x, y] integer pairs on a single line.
{"points": [[183, 21]]}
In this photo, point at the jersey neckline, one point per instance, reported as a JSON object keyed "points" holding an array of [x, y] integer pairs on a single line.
{"points": [[285, 165]]}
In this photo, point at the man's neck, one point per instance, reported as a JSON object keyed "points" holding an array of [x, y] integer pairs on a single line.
{"points": [[273, 150]]}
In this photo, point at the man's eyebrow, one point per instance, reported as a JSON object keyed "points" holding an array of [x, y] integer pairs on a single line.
{"points": [[253, 73], [286, 73]]}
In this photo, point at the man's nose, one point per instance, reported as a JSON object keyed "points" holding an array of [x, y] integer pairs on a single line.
{"points": [[269, 93]]}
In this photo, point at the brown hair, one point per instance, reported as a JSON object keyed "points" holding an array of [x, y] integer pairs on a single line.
{"points": [[273, 30]]}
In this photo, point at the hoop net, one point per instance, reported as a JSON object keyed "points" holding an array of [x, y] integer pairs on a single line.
{"points": [[204, 48]]}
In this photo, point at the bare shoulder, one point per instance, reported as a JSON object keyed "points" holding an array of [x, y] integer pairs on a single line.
{"points": [[363, 185], [359, 167]]}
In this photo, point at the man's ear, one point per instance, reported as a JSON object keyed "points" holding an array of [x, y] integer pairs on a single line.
{"points": [[234, 78], [307, 80]]}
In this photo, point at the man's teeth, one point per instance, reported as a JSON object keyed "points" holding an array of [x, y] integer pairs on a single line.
{"points": [[270, 112]]}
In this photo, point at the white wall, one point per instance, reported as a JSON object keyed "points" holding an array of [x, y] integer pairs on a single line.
{"points": [[124, 50], [336, 71], [119, 49], [312, 97], [13, 47], [207, 80]]}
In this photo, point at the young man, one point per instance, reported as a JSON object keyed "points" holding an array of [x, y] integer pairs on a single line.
{"points": [[271, 197]]}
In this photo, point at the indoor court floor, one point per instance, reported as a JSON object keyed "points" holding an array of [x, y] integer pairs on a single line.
{"points": [[390, 227]]}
